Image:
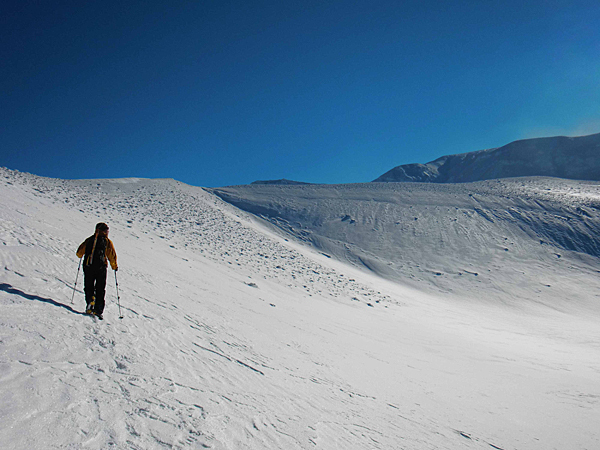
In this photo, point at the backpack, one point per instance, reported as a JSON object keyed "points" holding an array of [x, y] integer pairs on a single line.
{"points": [[96, 244]]}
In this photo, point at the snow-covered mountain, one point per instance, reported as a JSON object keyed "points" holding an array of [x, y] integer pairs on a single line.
{"points": [[241, 332], [282, 181], [576, 158]]}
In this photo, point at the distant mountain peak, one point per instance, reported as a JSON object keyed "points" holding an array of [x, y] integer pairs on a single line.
{"points": [[282, 181], [575, 158]]}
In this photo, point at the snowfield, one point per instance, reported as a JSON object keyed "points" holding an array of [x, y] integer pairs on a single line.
{"points": [[347, 317], [513, 240]]}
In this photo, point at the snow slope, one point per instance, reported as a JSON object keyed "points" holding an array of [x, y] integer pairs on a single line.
{"points": [[235, 336], [521, 241]]}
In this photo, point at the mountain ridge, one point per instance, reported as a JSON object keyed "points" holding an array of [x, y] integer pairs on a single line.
{"points": [[282, 181], [574, 158]]}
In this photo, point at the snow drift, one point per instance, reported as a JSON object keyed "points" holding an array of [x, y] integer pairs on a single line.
{"points": [[238, 335], [514, 240]]}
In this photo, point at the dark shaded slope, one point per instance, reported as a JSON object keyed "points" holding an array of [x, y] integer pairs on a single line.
{"points": [[282, 181], [576, 158]]}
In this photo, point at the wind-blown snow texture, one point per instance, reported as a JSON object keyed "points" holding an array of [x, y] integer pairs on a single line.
{"points": [[238, 335], [576, 158], [513, 240]]}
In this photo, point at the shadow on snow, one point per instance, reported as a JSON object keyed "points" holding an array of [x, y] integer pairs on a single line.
{"points": [[11, 290]]}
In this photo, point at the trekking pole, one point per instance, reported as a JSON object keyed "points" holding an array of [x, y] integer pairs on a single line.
{"points": [[118, 298], [76, 278]]}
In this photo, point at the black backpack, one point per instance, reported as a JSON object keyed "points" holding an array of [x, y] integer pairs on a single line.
{"points": [[98, 246]]}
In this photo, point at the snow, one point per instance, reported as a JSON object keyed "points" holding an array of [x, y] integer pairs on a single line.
{"points": [[501, 240], [245, 333]]}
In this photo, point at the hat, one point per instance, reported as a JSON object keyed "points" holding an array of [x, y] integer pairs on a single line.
{"points": [[101, 226]]}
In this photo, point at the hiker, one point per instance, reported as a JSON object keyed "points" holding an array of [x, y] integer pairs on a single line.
{"points": [[97, 249]]}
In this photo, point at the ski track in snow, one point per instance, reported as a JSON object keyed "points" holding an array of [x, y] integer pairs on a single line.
{"points": [[233, 338]]}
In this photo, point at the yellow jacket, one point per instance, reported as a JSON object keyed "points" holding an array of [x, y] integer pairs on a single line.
{"points": [[110, 253]]}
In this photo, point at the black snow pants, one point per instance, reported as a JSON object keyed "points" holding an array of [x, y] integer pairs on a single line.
{"points": [[95, 286]]}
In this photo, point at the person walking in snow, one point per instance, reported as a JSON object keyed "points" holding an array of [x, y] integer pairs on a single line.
{"points": [[96, 249]]}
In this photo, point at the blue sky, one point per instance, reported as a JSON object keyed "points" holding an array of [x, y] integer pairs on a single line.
{"points": [[216, 93]]}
